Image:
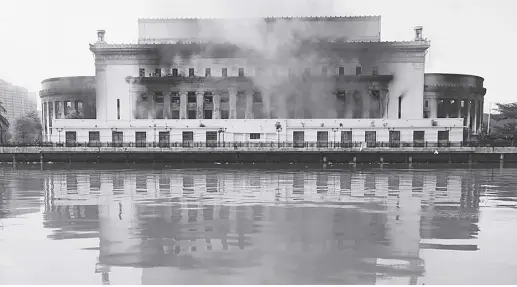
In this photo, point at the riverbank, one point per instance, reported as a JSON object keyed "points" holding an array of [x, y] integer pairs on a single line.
{"points": [[259, 155]]}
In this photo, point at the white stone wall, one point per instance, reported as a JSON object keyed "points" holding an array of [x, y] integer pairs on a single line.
{"points": [[239, 129]]}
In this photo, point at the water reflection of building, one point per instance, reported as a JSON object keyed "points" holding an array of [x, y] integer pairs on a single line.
{"points": [[20, 192], [183, 221]]}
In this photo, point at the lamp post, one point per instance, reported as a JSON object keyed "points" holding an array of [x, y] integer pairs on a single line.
{"points": [[278, 127], [59, 130], [221, 130], [334, 130]]}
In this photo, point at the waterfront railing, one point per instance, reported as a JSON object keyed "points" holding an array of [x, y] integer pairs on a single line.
{"points": [[271, 144]]}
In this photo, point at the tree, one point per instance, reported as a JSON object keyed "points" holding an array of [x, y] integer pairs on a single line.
{"points": [[504, 123], [507, 111], [28, 128], [4, 124]]}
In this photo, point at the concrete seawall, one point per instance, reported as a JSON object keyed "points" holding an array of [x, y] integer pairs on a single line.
{"points": [[305, 155]]}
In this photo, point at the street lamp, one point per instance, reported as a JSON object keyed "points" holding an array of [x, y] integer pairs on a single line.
{"points": [[221, 130], [278, 127], [334, 130], [59, 130]]}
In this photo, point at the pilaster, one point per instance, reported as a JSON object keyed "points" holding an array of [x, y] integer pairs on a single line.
{"points": [[167, 105], [365, 98], [151, 111], [249, 105], [467, 104], [433, 107], [233, 102], [458, 106], [199, 104], [62, 109], [475, 123], [216, 112], [183, 104]]}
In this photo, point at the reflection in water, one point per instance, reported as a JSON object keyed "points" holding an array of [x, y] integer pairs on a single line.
{"points": [[222, 226]]}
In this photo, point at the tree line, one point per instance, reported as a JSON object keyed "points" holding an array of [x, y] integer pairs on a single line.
{"points": [[503, 123], [27, 128]]}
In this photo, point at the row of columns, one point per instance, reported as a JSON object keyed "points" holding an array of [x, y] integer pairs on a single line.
{"points": [[473, 105], [352, 99]]}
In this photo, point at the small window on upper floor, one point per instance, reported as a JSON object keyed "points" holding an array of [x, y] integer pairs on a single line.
{"points": [[358, 71], [426, 103], [158, 72], [341, 71], [174, 72], [224, 72], [254, 136], [241, 72], [141, 72], [191, 72], [324, 71], [208, 72]]}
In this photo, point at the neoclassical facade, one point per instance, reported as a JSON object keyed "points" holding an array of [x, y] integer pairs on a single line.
{"points": [[259, 80]]}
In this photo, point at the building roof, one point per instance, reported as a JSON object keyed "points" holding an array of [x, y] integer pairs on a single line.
{"points": [[309, 18]]}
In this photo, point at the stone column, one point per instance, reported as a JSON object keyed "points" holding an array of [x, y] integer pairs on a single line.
{"points": [[458, 104], [199, 104], [233, 103], [249, 105], [216, 99], [467, 104], [62, 109], [481, 108], [349, 104], [433, 107], [475, 123], [365, 98], [167, 105], [384, 104], [183, 104], [151, 110]]}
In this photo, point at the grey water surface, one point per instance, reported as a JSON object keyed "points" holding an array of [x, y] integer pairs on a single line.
{"points": [[242, 224]]}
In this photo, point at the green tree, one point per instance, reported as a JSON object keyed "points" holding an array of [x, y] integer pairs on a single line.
{"points": [[504, 123], [28, 128], [4, 124]]}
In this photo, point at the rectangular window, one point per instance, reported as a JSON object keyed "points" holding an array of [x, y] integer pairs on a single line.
{"points": [[164, 139], [241, 72], [418, 138], [400, 108], [117, 138], [341, 71], [71, 138], [426, 103], [174, 72], [208, 72], [427, 114], [118, 109], [191, 72], [211, 139], [207, 114], [224, 72], [225, 114], [140, 139], [254, 136], [370, 137], [323, 139], [191, 98], [141, 72], [93, 139], [346, 138], [188, 139], [394, 139], [358, 71], [298, 139], [158, 72], [443, 138]]}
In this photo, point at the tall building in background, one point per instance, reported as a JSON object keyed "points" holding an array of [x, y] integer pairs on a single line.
{"points": [[15, 100]]}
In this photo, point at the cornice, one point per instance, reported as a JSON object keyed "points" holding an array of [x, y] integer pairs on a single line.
{"points": [[67, 91], [454, 88], [360, 17]]}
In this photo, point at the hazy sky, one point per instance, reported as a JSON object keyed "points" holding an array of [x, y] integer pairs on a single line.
{"points": [[49, 38]]}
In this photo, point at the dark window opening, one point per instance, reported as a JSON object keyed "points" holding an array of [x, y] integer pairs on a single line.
{"points": [[192, 115], [225, 114], [254, 136], [341, 71], [322, 139], [140, 139], [224, 72], [207, 114], [158, 72], [426, 103], [117, 138], [443, 138], [208, 72], [241, 72], [191, 98], [400, 108], [174, 72], [118, 109], [141, 72], [370, 137], [191, 72], [394, 138], [418, 138], [298, 139], [358, 71]]}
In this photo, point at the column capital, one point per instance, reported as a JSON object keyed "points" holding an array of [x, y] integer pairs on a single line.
{"points": [[200, 92], [182, 92]]}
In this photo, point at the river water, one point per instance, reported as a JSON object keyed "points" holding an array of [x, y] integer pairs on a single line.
{"points": [[240, 224]]}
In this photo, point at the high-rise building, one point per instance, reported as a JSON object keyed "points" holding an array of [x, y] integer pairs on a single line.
{"points": [[15, 100]]}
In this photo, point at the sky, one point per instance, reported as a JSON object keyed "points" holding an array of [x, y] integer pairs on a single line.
{"points": [[49, 38]]}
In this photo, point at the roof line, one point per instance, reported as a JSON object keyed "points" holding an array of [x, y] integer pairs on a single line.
{"points": [[266, 18]]}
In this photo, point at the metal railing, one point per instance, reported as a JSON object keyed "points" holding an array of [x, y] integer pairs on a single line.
{"points": [[269, 145]]}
